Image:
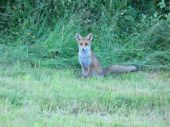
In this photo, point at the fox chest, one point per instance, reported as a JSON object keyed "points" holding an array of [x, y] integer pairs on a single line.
{"points": [[85, 60]]}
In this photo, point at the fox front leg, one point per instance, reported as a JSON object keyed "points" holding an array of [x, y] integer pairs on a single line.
{"points": [[85, 71]]}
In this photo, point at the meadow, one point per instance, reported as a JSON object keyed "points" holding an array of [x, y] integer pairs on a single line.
{"points": [[40, 83], [43, 97]]}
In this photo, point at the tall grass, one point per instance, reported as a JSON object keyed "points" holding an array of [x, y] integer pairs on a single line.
{"points": [[42, 33]]}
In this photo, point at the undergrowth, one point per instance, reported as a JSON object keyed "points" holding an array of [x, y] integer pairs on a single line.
{"points": [[43, 32]]}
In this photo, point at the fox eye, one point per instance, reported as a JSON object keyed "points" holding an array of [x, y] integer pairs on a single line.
{"points": [[86, 44], [81, 43]]}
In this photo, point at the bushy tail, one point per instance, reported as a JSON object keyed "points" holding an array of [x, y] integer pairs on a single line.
{"points": [[119, 69]]}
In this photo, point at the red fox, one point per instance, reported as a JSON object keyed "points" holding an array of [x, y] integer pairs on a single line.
{"points": [[89, 63]]}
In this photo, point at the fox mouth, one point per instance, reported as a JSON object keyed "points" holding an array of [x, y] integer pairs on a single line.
{"points": [[84, 50]]}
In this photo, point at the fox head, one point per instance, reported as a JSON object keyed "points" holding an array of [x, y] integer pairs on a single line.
{"points": [[84, 43]]}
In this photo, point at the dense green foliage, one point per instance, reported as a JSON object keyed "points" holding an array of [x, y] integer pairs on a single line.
{"points": [[125, 31]]}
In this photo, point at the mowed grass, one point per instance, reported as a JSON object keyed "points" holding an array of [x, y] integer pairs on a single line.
{"points": [[43, 97]]}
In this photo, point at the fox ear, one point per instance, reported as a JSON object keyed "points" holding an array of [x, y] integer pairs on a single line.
{"points": [[90, 36], [78, 37]]}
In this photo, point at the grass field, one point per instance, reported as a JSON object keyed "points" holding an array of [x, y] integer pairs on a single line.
{"points": [[43, 97], [38, 46]]}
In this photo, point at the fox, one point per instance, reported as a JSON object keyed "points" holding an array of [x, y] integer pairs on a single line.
{"points": [[90, 66]]}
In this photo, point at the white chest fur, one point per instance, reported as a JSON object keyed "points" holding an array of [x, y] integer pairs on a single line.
{"points": [[84, 58]]}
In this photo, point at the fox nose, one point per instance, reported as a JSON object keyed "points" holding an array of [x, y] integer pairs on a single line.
{"points": [[83, 49]]}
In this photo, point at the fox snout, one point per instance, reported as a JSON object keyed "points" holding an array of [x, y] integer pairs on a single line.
{"points": [[84, 49]]}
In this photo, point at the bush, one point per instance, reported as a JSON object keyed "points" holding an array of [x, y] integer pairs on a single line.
{"points": [[42, 32]]}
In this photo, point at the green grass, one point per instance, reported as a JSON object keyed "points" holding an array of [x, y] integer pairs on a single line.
{"points": [[41, 34], [43, 97]]}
